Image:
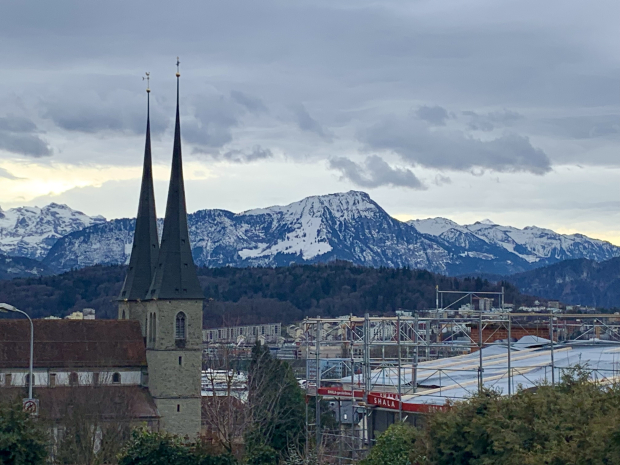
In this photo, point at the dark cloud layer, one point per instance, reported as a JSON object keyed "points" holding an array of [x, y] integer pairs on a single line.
{"points": [[434, 115], [19, 135], [307, 123], [454, 150], [375, 172], [489, 121], [116, 111]]}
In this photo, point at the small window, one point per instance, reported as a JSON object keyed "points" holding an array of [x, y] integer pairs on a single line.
{"points": [[180, 332], [180, 361], [178, 408], [8, 379], [52, 379], [116, 378], [123, 317], [73, 379]]}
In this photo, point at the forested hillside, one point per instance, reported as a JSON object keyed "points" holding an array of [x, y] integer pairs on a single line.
{"points": [[577, 282], [254, 295]]}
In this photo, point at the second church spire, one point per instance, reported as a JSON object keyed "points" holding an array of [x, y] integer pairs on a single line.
{"points": [[175, 276]]}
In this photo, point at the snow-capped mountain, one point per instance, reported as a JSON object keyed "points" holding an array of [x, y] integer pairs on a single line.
{"points": [[31, 231], [537, 246], [346, 226]]}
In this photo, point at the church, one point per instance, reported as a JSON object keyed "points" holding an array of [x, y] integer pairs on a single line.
{"points": [[149, 360], [162, 292]]}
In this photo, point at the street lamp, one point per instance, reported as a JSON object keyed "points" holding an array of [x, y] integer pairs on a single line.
{"points": [[5, 308]]}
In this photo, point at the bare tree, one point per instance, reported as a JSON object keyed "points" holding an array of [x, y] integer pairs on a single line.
{"points": [[94, 420]]}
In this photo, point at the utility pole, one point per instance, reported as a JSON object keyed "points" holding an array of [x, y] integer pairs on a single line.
{"points": [[480, 369], [400, 392], [414, 374], [318, 385], [552, 358], [509, 353]]}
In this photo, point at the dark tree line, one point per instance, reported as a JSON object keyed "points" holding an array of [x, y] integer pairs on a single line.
{"points": [[256, 295]]}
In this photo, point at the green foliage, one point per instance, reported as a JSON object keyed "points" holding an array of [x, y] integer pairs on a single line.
{"points": [[158, 448], [22, 439], [393, 446], [260, 454], [277, 405], [577, 422]]}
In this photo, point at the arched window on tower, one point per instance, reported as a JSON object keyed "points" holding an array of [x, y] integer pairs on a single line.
{"points": [[180, 328]]}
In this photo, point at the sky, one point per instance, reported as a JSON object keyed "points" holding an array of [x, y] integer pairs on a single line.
{"points": [[507, 110]]}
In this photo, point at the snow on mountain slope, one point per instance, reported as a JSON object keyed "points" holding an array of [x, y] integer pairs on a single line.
{"points": [[32, 231], [345, 226], [533, 244], [348, 226]]}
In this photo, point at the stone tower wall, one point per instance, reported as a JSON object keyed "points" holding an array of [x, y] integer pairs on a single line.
{"points": [[175, 386]]}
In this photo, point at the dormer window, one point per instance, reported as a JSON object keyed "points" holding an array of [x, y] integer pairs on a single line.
{"points": [[180, 332]]}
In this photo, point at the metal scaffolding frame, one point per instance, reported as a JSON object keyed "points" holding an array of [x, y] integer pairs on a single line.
{"points": [[409, 340]]}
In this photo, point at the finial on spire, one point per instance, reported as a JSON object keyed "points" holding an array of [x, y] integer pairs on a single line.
{"points": [[178, 63], [148, 81]]}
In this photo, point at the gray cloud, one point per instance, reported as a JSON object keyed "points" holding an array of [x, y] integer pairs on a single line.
{"points": [[488, 122], [375, 172], [116, 111], [20, 136], [252, 104], [454, 150], [441, 180], [215, 115], [305, 122], [239, 156], [434, 115], [587, 127], [7, 175]]}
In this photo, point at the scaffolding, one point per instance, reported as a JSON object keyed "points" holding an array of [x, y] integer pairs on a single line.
{"points": [[370, 364]]}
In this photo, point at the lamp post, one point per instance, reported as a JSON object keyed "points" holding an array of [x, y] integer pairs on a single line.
{"points": [[5, 308]]}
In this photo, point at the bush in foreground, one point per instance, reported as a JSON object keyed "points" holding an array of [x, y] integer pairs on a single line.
{"points": [[576, 422]]}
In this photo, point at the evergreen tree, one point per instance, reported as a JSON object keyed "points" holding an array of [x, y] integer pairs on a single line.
{"points": [[276, 402], [22, 439]]}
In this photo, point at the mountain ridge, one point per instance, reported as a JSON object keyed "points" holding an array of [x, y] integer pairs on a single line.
{"points": [[346, 226]]}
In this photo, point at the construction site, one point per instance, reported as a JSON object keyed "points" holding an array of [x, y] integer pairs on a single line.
{"points": [[375, 371]]}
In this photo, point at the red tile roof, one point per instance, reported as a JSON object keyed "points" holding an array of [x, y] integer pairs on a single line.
{"points": [[72, 343], [107, 402]]}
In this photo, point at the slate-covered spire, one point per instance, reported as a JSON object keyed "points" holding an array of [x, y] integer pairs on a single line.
{"points": [[145, 250], [175, 277]]}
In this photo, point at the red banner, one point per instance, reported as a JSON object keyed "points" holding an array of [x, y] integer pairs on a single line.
{"points": [[388, 400]]}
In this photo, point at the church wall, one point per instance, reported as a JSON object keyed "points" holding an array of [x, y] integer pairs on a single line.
{"points": [[185, 421], [175, 366]]}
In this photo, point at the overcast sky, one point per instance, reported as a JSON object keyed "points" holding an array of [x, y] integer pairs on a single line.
{"points": [[467, 109]]}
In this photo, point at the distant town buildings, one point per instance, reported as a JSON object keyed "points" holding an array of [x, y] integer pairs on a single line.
{"points": [[248, 334]]}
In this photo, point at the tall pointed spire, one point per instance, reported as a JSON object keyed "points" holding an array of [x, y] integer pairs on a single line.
{"points": [[175, 276], [145, 250]]}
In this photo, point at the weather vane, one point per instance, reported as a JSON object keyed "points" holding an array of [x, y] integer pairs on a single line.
{"points": [[148, 81], [178, 63]]}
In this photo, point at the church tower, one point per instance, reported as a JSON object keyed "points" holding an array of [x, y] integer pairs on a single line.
{"points": [[174, 313], [145, 250]]}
